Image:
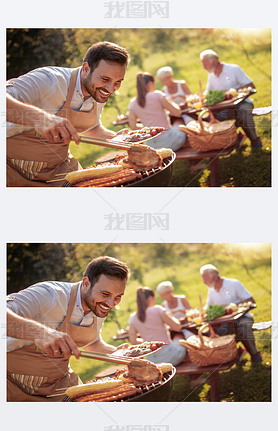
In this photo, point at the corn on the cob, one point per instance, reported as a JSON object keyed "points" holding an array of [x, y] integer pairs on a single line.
{"points": [[164, 152], [93, 387], [165, 367], [90, 173]]}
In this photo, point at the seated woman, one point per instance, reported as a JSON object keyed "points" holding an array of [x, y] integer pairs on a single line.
{"points": [[151, 106], [176, 305], [150, 321], [175, 90]]}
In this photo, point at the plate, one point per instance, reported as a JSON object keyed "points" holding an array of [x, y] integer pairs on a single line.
{"points": [[142, 141], [123, 352]]}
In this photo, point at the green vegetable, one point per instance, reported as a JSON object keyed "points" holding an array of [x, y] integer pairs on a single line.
{"points": [[214, 96], [214, 311]]}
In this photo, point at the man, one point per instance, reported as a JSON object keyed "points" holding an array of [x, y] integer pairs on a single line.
{"points": [[223, 291], [47, 322], [223, 76], [49, 105]]}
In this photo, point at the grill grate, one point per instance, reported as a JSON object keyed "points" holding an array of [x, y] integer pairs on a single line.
{"points": [[146, 389], [145, 174]]}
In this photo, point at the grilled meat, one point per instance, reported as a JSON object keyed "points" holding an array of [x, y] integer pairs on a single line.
{"points": [[144, 157], [148, 373]]}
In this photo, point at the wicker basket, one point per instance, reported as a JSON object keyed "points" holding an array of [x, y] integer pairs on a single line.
{"points": [[211, 350], [204, 136]]}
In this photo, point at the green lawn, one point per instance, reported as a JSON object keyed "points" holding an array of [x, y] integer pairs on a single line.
{"points": [[251, 265], [251, 52]]}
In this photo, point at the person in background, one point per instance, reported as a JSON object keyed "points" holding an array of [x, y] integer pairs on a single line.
{"points": [[175, 305], [223, 291], [224, 76], [175, 90], [150, 106], [151, 321]]}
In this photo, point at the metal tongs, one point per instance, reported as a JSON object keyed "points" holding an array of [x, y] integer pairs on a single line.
{"points": [[106, 357]]}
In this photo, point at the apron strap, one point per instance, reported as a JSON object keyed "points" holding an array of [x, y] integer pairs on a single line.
{"points": [[72, 84], [73, 295]]}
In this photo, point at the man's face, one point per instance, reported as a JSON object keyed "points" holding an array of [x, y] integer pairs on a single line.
{"points": [[208, 64], [103, 81], [104, 295], [208, 279]]}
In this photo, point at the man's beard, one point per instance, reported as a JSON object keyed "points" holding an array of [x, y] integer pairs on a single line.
{"points": [[93, 91], [93, 307]]}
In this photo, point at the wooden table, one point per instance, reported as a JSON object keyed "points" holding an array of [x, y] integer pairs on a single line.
{"points": [[188, 368], [188, 154]]}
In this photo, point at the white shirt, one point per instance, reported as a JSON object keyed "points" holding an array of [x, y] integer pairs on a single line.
{"points": [[47, 88], [232, 76], [232, 290], [47, 303]]}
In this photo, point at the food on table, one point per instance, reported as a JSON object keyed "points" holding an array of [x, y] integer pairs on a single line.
{"points": [[198, 105], [139, 349], [214, 311], [214, 96], [230, 308], [126, 167], [138, 135], [192, 98], [232, 91]]}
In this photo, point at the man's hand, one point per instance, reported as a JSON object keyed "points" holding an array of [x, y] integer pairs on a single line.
{"points": [[50, 127], [57, 129], [57, 344], [51, 342]]}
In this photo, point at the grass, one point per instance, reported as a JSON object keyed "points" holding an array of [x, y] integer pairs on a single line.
{"points": [[240, 169], [250, 265]]}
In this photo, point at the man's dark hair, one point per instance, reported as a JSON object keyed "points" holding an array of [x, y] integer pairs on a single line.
{"points": [[107, 266], [106, 51]]}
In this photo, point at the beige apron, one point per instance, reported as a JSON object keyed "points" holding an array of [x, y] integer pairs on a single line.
{"points": [[48, 374], [32, 161]]}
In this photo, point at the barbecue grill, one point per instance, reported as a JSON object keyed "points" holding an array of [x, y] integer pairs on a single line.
{"points": [[158, 391], [157, 177]]}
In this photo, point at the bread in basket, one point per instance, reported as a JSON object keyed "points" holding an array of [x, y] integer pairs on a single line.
{"points": [[203, 350], [213, 135]]}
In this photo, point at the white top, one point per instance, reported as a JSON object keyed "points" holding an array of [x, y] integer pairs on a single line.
{"points": [[176, 96], [47, 303], [177, 311], [232, 76], [47, 88], [232, 290]]}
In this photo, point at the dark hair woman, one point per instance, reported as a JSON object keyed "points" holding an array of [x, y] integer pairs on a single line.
{"points": [[152, 108], [151, 321]]}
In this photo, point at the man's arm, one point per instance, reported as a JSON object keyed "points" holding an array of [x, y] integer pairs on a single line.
{"points": [[100, 346], [50, 127], [51, 342], [100, 132]]}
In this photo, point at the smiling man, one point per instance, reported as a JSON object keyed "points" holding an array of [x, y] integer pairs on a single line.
{"points": [[47, 322], [47, 107]]}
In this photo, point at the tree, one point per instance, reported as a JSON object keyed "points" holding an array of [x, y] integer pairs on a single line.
{"points": [[31, 263], [28, 49]]}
